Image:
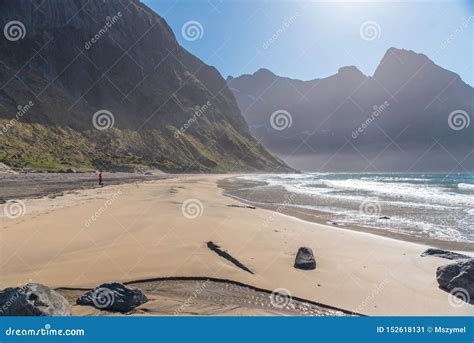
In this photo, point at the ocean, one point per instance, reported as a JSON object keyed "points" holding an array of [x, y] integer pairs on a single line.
{"points": [[436, 206]]}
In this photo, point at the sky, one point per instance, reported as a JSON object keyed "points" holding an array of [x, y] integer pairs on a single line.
{"points": [[308, 40]]}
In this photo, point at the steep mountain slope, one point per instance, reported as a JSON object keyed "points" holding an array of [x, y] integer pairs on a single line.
{"points": [[63, 61], [397, 120]]}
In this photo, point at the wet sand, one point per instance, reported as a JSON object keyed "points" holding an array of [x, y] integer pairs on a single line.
{"points": [[204, 297], [37, 185]]}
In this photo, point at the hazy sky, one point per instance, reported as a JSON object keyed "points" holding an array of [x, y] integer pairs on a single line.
{"points": [[307, 40]]}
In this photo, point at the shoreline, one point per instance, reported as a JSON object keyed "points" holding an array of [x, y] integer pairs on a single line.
{"points": [[147, 233], [233, 183]]}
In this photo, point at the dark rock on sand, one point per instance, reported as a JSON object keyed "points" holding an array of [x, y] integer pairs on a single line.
{"points": [[305, 259], [243, 206], [217, 249], [444, 254], [113, 296], [32, 299], [457, 275], [384, 218]]}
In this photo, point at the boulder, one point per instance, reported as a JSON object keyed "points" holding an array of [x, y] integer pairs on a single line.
{"points": [[305, 259], [444, 254], [32, 299], [113, 296], [457, 275], [71, 171]]}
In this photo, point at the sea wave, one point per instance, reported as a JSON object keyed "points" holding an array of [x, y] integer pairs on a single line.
{"points": [[434, 205], [466, 186], [395, 191]]}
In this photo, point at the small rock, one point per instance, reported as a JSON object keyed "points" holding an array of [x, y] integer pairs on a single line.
{"points": [[305, 259], [113, 296], [444, 254], [4, 169], [71, 171], [384, 218], [32, 299], [459, 276]]}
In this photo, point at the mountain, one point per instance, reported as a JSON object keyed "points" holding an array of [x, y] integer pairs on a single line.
{"points": [[105, 84], [411, 115]]}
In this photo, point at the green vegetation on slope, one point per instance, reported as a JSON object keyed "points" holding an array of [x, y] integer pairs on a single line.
{"points": [[28, 146]]}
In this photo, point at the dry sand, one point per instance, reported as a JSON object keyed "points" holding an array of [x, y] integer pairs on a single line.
{"points": [[138, 231]]}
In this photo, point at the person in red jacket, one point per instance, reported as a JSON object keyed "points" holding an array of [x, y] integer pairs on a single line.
{"points": [[99, 174]]}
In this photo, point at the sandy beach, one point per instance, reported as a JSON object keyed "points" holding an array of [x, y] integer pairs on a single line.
{"points": [[160, 229]]}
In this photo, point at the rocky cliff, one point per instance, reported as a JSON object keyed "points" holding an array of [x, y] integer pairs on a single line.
{"points": [[102, 84]]}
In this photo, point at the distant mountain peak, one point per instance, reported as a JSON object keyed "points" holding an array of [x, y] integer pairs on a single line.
{"points": [[264, 72], [351, 70], [397, 58]]}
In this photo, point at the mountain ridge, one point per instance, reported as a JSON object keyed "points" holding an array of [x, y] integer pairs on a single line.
{"points": [[348, 67], [325, 113]]}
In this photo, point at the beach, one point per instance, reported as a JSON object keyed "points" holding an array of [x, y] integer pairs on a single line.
{"points": [[161, 229], [37, 185]]}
